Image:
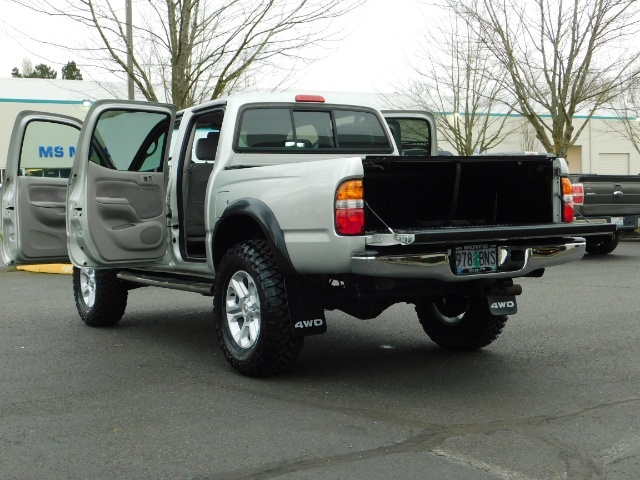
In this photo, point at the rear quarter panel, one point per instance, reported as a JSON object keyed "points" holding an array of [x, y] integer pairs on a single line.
{"points": [[301, 196]]}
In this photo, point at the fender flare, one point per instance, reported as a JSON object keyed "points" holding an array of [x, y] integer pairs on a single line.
{"points": [[265, 219]]}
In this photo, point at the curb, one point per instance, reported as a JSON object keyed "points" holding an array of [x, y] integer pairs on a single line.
{"points": [[53, 268]]}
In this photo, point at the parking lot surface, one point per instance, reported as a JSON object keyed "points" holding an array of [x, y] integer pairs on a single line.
{"points": [[556, 396]]}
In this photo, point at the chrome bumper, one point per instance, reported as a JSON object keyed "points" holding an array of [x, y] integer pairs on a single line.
{"points": [[437, 265]]}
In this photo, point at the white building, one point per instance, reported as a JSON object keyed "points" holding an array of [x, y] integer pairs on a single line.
{"points": [[601, 147], [598, 150]]}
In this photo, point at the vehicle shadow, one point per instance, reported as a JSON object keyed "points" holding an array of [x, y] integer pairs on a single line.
{"points": [[352, 350], [392, 353], [405, 364]]}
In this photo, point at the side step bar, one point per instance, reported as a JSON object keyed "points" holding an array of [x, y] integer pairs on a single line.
{"points": [[199, 285]]}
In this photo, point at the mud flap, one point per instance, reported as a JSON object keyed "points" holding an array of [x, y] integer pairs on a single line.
{"points": [[502, 304], [305, 308]]}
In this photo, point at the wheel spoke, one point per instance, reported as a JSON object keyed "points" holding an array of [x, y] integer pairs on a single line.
{"points": [[238, 288], [245, 339], [254, 329], [234, 310], [235, 329]]}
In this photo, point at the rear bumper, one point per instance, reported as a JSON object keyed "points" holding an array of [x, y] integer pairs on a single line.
{"points": [[623, 223], [514, 261]]}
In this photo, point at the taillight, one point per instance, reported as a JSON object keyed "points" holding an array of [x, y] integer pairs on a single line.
{"points": [[578, 194], [350, 208], [567, 200]]}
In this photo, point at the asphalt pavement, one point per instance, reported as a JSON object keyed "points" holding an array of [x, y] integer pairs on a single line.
{"points": [[557, 396]]}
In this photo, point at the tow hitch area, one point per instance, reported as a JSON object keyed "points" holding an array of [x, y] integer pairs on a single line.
{"points": [[502, 305]]}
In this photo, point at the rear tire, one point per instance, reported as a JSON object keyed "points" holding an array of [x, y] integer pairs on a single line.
{"points": [[460, 323], [251, 312], [100, 297], [602, 244]]}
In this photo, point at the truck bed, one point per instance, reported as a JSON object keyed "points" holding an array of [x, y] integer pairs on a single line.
{"points": [[422, 193]]}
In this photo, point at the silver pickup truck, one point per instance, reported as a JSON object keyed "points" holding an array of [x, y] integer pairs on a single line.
{"points": [[283, 206]]}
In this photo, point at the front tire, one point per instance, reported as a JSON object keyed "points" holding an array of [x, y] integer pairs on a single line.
{"points": [[251, 312], [460, 323], [100, 297], [602, 244]]}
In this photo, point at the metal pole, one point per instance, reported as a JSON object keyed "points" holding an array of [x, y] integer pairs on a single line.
{"points": [[129, 21]]}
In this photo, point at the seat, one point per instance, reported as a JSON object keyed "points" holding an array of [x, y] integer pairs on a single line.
{"points": [[197, 188]]}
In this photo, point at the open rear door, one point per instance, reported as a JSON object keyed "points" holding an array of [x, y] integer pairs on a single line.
{"points": [[116, 203], [39, 161]]}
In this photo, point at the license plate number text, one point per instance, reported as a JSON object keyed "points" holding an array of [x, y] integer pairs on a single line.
{"points": [[476, 259]]}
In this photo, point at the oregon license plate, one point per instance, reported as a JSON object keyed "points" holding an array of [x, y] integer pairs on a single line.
{"points": [[476, 259]]}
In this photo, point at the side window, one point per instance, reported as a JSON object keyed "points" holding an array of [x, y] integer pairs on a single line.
{"points": [[48, 149], [130, 141], [414, 135]]}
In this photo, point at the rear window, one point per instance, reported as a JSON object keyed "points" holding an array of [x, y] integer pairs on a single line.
{"points": [[291, 129]]}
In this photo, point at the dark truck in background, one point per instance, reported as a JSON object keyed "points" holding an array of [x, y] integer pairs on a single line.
{"points": [[606, 199]]}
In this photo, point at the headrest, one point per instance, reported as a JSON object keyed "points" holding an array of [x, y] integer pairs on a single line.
{"points": [[206, 147]]}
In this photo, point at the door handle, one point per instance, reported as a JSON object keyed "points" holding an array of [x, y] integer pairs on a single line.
{"points": [[146, 179]]}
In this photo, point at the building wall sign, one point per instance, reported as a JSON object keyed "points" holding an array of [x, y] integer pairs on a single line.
{"points": [[57, 151]]}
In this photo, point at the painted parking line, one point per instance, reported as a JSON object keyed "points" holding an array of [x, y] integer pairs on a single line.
{"points": [[52, 268]]}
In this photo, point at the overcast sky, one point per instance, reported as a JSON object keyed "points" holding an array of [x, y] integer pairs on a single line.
{"points": [[370, 59]]}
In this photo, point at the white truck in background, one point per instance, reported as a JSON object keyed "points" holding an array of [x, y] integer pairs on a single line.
{"points": [[282, 206]]}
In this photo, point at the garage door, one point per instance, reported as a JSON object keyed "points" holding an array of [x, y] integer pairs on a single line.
{"points": [[613, 164]]}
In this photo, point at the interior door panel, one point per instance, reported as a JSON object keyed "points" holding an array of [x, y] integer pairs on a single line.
{"points": [[127, 215], [41, 225]]}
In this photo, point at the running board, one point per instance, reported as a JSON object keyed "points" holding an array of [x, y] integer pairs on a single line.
{"points": [[186, 284]]}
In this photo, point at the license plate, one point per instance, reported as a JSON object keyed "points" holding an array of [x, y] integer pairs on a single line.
{"points": [[617, 220], [476, 259]]}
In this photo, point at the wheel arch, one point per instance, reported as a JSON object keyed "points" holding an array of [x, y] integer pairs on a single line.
{"points": [[248, 219]]}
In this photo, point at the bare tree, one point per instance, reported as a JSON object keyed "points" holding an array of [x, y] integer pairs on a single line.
{"points": [[197, 50], [27, 69], [528, 140], [456, 79], [561, 57], [626, 107]]}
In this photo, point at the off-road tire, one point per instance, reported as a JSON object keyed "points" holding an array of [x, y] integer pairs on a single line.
{"points": [[470, 326], [101, 298], [274, 347], [602, 244]]}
